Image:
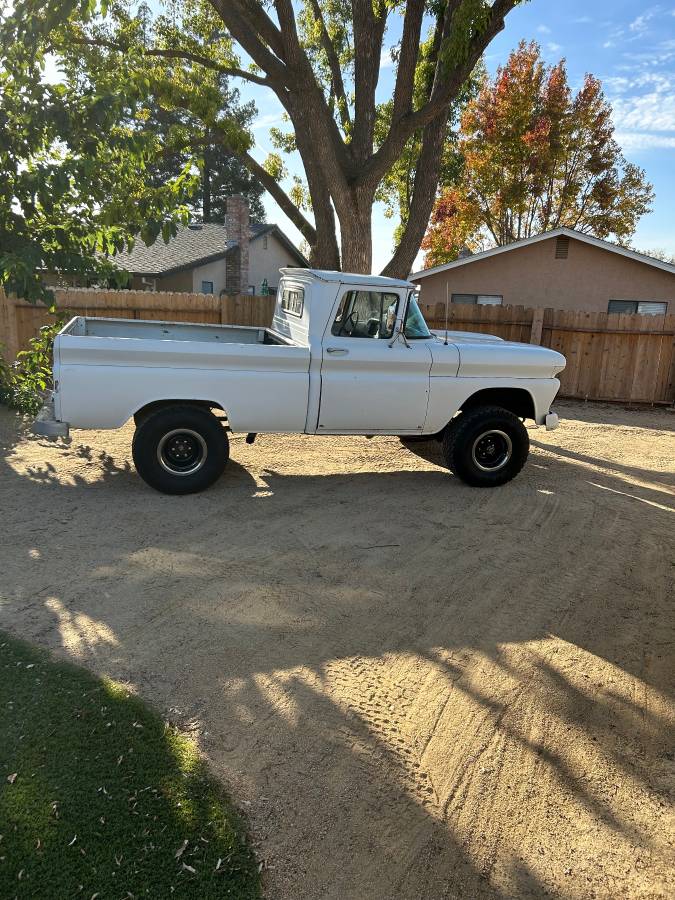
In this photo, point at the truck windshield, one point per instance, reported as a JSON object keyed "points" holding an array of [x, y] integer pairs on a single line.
{"points": [[415, 326]]}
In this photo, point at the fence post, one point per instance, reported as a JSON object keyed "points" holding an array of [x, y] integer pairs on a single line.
{"points": [[537, 325]]}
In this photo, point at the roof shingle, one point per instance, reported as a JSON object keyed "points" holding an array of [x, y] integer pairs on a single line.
{"points": [[193, 245]]}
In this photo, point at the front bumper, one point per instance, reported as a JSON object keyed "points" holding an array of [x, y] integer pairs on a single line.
{"points": [[552, 421], [46, 425]]}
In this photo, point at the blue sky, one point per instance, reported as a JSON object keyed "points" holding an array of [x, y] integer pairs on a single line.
{"points": [[629, 45]]}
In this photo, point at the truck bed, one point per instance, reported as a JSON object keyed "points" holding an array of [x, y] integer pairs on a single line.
{"points": [[83, 326], [131, 363]]}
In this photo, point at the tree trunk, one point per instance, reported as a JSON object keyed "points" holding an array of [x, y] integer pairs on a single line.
{"points": [[356, 233], [206, 190]]}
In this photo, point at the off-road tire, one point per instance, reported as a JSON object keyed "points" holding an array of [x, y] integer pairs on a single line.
{"points": [[474, 435], [180, 449]]}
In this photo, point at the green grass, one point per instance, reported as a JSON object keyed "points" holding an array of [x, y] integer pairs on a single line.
{"points": [[98, 795]]}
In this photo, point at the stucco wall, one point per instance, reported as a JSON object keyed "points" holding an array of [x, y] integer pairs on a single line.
{"points": [[214, 271], [265, 263], [531, 276]]}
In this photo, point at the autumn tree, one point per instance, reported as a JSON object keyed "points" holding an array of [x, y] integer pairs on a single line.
{"points": [[322, 62], [536, 157]]}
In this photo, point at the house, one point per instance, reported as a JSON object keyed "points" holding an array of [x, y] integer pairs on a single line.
{"points": [[238, 257], [562, 269]]}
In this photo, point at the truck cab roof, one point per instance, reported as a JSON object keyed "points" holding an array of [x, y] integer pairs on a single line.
{"points": [[347, 278]]}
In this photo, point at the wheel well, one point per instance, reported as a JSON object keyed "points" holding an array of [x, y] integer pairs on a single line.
{"points": [[149, 408], [516, 400]]}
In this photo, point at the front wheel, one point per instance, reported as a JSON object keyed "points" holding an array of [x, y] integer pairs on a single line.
{"points": [[180, 449], [486, 446]]}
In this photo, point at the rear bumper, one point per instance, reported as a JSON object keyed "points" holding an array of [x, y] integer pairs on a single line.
{"points": [[46, 425]]}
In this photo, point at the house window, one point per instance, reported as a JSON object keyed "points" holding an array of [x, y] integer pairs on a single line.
{"points": [[641, 307], [478, 299], [562, 247], [292, 300], [265, 242], [207, 287]]}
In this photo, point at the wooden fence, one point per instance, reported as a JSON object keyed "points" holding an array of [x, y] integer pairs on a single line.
{"points": [[20, 321], [615, 357]]}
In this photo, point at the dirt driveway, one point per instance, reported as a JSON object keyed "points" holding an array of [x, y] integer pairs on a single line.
{"points": [[416, 689]]}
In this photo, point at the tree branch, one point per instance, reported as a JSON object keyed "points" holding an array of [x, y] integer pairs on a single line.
{"points": [[167, 53], [421, 204], [260, 38], [405, 76], [446, 85], [368, 34], [335, 69], [270, 183]]}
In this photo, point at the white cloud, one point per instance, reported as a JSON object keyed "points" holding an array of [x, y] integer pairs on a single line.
{"points": [[640, 23], [543, 29], [552, 47], [652, 111], [583, 20], [638, 140]]}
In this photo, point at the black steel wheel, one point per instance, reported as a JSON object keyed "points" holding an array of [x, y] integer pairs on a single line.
{"points": [[486, 446], [180, 449]]}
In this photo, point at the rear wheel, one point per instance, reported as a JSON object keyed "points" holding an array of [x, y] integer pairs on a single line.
{"points": [[486, 446], [180, 449]]}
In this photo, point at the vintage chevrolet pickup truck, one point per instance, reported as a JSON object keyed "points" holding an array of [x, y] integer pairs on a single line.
{"points": [[345, 354]]}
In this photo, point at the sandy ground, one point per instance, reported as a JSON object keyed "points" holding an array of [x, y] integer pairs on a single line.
{"points": [[416, 689]]}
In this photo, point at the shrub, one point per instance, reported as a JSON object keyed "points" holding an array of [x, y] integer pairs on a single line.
{"points": [[23, 384]]}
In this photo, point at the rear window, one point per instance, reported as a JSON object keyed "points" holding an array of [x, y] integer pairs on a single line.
{"points": [[293, 300]]}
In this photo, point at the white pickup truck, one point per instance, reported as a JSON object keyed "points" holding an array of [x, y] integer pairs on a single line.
{"points": [[346, 354]]}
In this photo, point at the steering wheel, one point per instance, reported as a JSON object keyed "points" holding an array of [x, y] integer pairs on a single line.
{"points": [[353, 320]]}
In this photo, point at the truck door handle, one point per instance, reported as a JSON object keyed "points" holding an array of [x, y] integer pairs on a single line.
{"points": [[338, 351]]}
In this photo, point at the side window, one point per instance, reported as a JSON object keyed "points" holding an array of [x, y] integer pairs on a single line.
{"points": [[292, 300], [366, 314]]}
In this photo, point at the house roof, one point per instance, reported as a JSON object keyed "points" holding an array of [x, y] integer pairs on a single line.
{"points": [[194, 245], [546, 235]]}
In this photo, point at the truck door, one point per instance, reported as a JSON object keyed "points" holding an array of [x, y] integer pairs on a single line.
{"points": [[368, 386]]}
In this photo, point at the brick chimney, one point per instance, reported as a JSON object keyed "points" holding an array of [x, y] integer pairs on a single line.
{"points": [[237, 227]]}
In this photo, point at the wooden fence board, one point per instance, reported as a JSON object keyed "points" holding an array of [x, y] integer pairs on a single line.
{"points": [[629, 358]]}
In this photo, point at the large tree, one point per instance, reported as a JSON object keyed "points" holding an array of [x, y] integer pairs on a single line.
{"points": [[322, 61], [536, 157], [74, 185]]}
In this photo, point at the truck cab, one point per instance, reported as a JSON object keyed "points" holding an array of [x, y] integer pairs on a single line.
{"points": [[345, 354]]}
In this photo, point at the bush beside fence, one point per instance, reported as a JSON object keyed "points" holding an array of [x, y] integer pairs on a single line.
{"points": [[626, 358]]}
